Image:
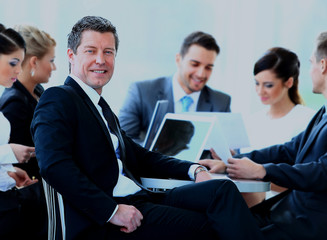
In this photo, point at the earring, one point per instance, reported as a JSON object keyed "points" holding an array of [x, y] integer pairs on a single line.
{"points": [[32, 73]]}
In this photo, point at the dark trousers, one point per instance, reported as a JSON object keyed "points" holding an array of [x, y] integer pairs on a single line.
{"points": [[23, 214], [209, 210], [262, 214]]}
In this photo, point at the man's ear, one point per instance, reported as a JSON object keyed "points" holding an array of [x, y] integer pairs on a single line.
{"points": [[323, 65], [70, 55], [178, 59]]}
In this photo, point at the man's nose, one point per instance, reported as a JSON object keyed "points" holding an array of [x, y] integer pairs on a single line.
{"points": [[201, 73], [100, 58]]}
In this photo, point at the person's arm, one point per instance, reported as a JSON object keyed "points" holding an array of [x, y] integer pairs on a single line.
{"points": [[22, 153], [15, 153]]}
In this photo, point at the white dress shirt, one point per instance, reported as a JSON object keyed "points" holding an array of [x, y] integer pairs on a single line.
{"points": [[7, 156], [124, 186]]}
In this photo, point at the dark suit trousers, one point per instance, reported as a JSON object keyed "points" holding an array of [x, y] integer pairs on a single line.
{"points": [[23, 214], [208, 210]]}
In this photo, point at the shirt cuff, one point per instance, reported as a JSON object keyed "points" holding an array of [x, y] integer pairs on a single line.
{"points": [[114, 212], [7, 155], [192, 170]]}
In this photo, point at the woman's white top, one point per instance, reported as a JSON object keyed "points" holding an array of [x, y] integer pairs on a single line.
{"points": [[7, 156], [264, 131]]}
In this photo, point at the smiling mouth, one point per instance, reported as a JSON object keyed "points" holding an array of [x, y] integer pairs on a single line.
{"points": [[99, 71], [197, 80]]}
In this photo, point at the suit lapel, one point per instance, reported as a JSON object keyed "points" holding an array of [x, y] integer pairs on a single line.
{"points": [[204, 104], [87, 101], [166, 93]]}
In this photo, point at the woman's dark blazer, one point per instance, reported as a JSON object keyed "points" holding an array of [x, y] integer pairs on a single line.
{"points": [[18, 106]]}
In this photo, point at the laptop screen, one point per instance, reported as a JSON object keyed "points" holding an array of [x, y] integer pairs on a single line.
{"points": [[183, 136], [158, 114]]}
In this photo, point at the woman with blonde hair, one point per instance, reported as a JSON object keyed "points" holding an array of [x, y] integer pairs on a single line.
{"points": [[18, 102], [13, 201]]}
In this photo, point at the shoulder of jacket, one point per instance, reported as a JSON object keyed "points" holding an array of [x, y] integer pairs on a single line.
{"points": [[216, 93]]}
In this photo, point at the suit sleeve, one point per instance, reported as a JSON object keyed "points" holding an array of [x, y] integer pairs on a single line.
{"points": [[53, 129], [282, 168]]}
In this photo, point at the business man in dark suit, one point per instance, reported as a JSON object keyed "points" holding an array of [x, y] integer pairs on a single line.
{"points": [[82, 155], [195, 62], [299, 165]]}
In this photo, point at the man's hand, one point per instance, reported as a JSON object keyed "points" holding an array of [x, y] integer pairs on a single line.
{"points": [[203, 176], [22, 153], [214, 166], [21, 178], [245, 168], [128, 217]]}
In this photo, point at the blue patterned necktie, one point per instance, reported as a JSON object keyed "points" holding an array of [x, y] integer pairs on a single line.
{"points": [[186, 103]]}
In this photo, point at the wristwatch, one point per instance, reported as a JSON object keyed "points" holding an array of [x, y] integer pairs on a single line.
{"points": [[199, 169]]}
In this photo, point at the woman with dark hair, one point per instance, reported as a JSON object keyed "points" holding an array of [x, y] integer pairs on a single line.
{"points": [[276, 76], [16, 204], [18, 102]]}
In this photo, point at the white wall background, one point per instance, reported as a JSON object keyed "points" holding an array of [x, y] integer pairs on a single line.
{"points": [[151, 32]]}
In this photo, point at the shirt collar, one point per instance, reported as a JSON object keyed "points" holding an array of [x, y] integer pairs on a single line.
{"points": [[90, 92]]}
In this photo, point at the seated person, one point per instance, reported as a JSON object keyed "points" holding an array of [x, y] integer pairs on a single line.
{"points": [[95, 168], [195, 62], [299, 165], [18, 102], [19, 208]]}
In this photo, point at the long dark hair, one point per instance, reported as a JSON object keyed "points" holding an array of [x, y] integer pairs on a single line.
{"points": [[284, 64], [10, 40]]}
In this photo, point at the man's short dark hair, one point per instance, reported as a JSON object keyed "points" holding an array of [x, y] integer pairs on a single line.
{"points": [[321, 49], [93, 23], [199, 38]]}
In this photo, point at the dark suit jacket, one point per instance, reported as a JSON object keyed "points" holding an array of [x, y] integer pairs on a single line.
{"points": [[18, 106], [136, 112], [300, 165], [76, 157]]}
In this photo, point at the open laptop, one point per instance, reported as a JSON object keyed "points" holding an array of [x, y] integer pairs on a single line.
{"points": [[183, 136], [158, 114], [232, 127]]}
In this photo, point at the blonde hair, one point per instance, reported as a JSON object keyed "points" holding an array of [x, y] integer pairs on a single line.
{"points": [[37, 41]]}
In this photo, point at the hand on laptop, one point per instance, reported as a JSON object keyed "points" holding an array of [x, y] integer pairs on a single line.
{"points": [[215, 165]]}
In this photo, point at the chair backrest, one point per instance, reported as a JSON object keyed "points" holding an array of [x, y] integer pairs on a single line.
{"points": [[55, 206]]}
